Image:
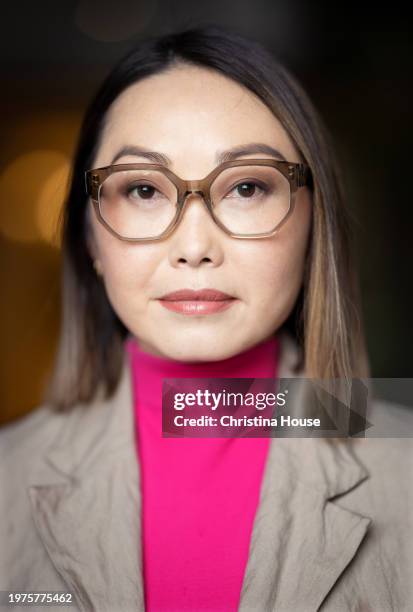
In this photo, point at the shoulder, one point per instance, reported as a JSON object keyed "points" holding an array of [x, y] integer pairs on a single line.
{"points": [[387, 447], [387, 454], [29, 435], [390, 419], [385, 497], [23, 444], [388, 437]]}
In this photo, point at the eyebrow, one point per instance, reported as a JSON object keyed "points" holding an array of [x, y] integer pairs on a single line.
{"points": [[221, 156]]}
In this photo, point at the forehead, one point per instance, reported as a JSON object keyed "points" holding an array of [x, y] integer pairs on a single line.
{"points": [[190, 107]]}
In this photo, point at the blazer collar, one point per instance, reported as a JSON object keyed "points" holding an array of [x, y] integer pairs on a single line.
{"points": [[87, 510]]}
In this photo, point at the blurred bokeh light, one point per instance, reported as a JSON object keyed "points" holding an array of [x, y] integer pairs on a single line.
{"points": [[36, 152], [36, 181]]}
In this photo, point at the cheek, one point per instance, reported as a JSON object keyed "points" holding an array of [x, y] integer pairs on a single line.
{"points": [[274, 275], [129, 271], [275, 269]]}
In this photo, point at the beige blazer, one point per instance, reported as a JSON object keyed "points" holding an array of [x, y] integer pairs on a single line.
{"points": [[332, 532]]}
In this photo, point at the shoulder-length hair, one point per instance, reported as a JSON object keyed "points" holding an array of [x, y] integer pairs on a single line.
{"points": [[326, 318]]}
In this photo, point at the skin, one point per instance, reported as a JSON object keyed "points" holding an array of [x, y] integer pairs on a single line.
{"points": [[172, 114]]}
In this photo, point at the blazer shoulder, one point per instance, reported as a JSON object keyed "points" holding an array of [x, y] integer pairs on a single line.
{"points": [[29, 433], [389, 419], [387, 450]]}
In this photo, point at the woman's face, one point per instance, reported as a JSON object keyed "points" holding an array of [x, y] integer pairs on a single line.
{"points": [[191, 114]]}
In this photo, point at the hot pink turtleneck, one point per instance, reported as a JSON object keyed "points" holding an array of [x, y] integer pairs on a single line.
{"points": [[199, 495]]}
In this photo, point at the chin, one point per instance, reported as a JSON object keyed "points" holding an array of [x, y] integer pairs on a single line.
{"points": [[208, 352]]}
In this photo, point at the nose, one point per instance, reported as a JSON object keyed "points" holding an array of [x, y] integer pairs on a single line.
{"points": [[195, 239], [195, 199], [194, 192]]}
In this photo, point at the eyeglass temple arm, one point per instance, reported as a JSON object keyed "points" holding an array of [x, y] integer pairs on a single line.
{"points": [[91, 184], [303, 175]]}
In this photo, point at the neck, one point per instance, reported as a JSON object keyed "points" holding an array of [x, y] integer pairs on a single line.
{"points": [[258, 361]]}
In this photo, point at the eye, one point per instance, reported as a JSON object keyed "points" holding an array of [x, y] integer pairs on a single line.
{"points": [[247, 189], [145, 192]]}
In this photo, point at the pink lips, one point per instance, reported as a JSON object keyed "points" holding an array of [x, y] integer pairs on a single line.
{"points": [[203, 301]]}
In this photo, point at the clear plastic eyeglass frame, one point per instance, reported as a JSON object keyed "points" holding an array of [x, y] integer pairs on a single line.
{"points": [[297, 174]]}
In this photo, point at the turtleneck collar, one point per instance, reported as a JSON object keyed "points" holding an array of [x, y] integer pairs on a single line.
{"points": [[258, 361], [148, 372], [186, 480]]}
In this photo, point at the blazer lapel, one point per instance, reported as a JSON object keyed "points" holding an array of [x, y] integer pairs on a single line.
{"points": [[88, 511], [88, 516], [301, 540]]}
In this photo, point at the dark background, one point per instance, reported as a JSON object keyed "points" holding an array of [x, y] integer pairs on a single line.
{"points": [[355, 63]]}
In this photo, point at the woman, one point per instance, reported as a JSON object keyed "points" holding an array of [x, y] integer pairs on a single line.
{"points": [[204, 235]]}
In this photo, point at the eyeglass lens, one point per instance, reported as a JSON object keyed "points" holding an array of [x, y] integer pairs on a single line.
{"points": [[245, 199]]}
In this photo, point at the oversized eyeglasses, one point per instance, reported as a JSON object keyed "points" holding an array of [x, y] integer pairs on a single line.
{"points": [[245, 198]]}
